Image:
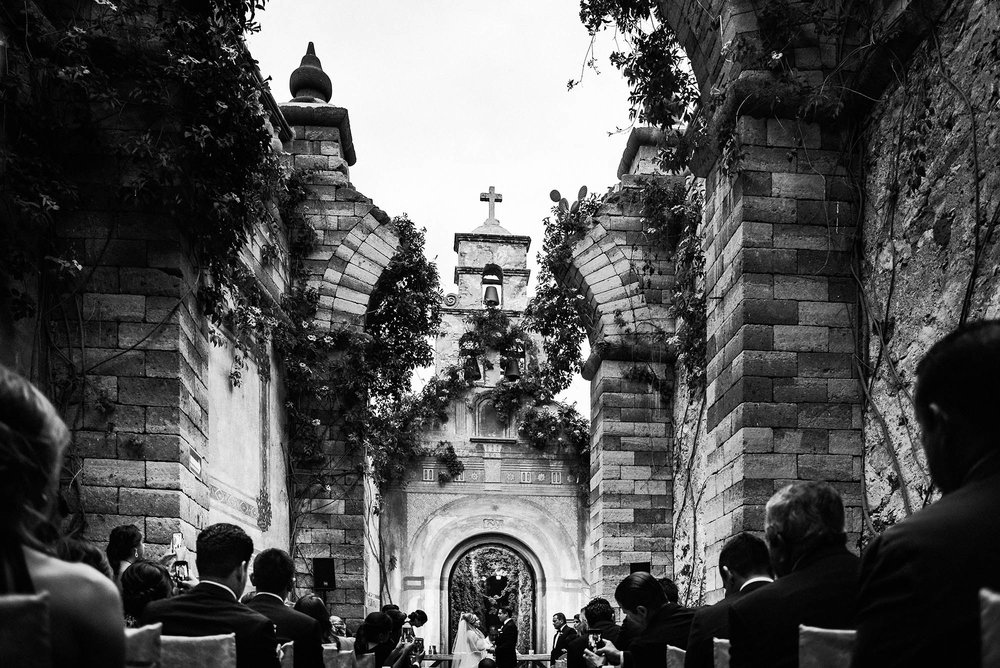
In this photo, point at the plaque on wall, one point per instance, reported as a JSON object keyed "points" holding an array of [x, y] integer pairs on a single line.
{"points": [[412, 582]]}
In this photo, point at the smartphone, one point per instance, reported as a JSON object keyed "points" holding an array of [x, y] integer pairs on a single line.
{"points": [[179, 570], [593, 640]]}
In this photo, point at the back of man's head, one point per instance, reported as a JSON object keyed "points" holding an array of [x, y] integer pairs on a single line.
{"points": [[599, 610], [273, 571], [801, 518], [487, 663], [670, 590], [221, 549], [744, 556], [958, 381], [640, 588]]}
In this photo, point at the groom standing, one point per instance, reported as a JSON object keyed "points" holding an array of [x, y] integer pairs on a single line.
{"points": [[506, 651]]}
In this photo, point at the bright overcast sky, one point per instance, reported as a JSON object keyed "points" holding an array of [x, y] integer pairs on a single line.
{"points": [[449, 97]]}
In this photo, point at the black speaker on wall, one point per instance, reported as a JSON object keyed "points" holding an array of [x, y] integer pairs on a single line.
{"points": [[324, 574], [640, 567]]}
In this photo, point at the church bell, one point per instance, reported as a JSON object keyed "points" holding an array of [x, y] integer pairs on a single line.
{"points": [[492, 297], [471, 370], [512, 370]]}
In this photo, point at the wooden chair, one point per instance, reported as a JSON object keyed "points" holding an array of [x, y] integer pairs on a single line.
{"points": [[989, 626], [25, 641], [204, 652], [825, 648], [720, 652], [288, 655], [675, 657], [143, 647]]}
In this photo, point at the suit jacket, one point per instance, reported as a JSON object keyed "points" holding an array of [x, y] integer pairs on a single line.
{"points": [[506, 645], [562, 638], [292, 626], [209, 610], [712, 621], [918, 603], [670, 625], [575, 647], [820, 591]]}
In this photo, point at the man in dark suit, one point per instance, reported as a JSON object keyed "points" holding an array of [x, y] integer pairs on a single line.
{"points": [[212, 607], [745, 567], [817, 578], [273, 573], [506, 645], [564, 633], [918, 604], [659, 623], [600, 618]]}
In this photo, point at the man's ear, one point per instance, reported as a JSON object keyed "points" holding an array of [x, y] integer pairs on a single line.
{"points": [[253, 579]]}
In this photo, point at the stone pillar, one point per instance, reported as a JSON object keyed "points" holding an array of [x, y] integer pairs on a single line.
{"points": [[783, 391]]}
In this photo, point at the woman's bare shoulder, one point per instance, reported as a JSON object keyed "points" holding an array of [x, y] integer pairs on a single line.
{"points": [[71, 585]]}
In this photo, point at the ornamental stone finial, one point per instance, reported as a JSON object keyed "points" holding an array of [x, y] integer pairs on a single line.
{"points": [[309, 83]]}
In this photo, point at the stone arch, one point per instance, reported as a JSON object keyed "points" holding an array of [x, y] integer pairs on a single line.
{"points": [[436, 544], [354, 269]]}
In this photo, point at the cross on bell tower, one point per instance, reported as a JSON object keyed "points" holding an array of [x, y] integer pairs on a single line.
{"points": [[492, 197]]}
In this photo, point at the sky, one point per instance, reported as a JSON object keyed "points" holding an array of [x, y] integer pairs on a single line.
{"points": [[449, 97]]}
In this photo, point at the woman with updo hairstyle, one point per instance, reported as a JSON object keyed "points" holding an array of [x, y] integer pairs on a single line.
{"points": [[85, 611], [313, 605], [124, 548], [143, 582]]}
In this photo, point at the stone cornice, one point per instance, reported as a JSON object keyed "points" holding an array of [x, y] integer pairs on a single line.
{"points": [[510, 239], [323, 115]]}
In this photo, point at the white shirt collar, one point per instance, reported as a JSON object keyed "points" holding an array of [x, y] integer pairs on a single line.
{"points": [[759, 578], [267, 593], [222, 586]]}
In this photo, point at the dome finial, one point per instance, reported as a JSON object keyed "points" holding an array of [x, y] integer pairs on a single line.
{"points": [[309, 83]]}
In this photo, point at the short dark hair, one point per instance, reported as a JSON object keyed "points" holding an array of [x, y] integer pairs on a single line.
{"points": [[143, 582], [389, 606], [599, 610], [805, 515], [745, 554], [640, 588], [487, 663], [507, 609], [221, 549], [273, 571], [560, 615], [670, 590]]}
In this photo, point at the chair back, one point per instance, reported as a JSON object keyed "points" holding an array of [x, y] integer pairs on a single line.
{"points": [[720, 652], [204, 652], [332, 658], [143, 647], [675, 657], [825, 648], [288, 654], [25, 616], [989, 626], [345, 643], [364, 661]]}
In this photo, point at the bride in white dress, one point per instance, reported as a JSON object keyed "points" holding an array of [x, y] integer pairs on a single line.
{"points": [[470, 643]]}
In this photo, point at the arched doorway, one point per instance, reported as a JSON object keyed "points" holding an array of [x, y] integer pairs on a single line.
{"points": [[486, 577]]}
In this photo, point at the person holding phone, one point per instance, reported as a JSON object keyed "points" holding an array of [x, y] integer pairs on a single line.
{"points": [[600, 619]]}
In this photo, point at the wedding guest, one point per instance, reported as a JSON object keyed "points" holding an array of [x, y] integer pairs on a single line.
{"points": [[273, 576], [213, 607], [918, 604], [85, 610], [124, 547], [564, 633], [339, 625], [373, 637], [487, 663], [398, 618], [342, 635], [506, 643], [598, 617], [817, 578], [745, 567], [82, 551], [313, 605], [417, 618], [670, 590], [659, 622], [142, 583]]}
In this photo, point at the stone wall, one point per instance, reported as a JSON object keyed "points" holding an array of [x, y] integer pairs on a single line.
{"points": [[921, 185]]}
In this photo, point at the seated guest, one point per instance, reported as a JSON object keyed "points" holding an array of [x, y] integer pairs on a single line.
{"points": [[82, 551], [564, 633], [213, 607], [142, 583], [598, 617], [313, 605], [658, 622], [373, 637], [342, 635], [745, 567], [487, 663], [817, 578], [124, 547], [273, 575], [918, 604], [85, 611]]}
